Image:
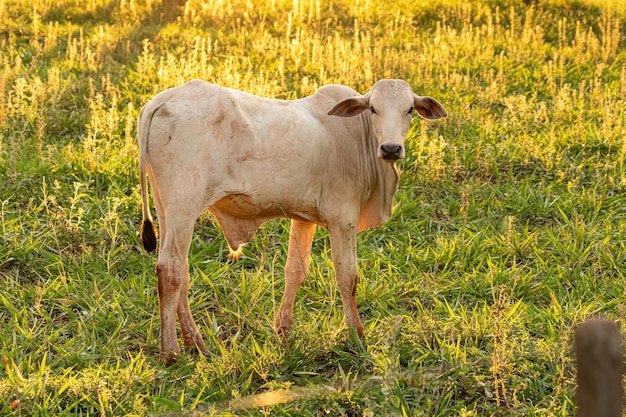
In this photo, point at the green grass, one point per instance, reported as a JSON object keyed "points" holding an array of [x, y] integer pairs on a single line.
{"points": [[508, 230]]}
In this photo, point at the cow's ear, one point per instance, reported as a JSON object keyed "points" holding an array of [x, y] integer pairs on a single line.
{"points": [[428, 107], [351, 106]]}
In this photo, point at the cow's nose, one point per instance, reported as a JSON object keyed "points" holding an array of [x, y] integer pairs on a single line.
{"points": [[391, 152]]}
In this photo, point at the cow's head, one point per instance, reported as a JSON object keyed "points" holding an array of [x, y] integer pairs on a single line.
{"points": [[391, 103]]}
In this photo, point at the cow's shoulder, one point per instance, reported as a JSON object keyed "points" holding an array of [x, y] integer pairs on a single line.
{"points": [[326, 97], [335, 92]]}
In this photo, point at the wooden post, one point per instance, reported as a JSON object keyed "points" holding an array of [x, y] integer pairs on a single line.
{"points": [[599, 363]]}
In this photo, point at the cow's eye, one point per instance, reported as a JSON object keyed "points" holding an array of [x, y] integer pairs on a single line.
{"points": [[373, 110], [410, 111]]}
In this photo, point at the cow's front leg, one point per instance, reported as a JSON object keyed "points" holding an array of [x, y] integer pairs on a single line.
{"points": [[298, 259], [343, 247]]}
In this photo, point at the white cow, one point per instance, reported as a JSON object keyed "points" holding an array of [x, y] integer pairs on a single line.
{"points": [[249, 159]]}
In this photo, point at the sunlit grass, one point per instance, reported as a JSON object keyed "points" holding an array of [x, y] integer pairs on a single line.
{"points": [[509, 224]]}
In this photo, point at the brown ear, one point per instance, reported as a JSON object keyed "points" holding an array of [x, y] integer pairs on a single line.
{"points": [[351, 106], [428, 107]]}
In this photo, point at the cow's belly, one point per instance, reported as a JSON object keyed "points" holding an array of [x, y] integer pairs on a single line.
{"points": [[240, 215], [252, 207]]}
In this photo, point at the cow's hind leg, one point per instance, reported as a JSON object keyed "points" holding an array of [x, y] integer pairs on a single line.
{"points": [[298, 259], [192, 339], [173, 282], [343, 247]]}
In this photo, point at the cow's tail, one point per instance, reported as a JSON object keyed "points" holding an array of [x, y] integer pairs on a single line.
{"points": [[149, 233]]}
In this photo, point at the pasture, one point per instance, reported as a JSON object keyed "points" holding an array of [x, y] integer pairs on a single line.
{"points": [[509, 226]]}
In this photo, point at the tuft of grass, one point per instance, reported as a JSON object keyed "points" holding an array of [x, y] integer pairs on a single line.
{"points": [[508, 228]]}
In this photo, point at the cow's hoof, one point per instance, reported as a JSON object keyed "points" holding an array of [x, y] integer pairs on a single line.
{"points": [[168, 358], [283, 324], [283, 329], [283, 332], [195, 342]]}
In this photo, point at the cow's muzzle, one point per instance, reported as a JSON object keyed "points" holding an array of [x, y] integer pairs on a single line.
{"points": [[391, 151]]}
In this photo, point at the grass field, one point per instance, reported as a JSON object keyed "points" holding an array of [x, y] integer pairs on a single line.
{"points": [[509, 227]]}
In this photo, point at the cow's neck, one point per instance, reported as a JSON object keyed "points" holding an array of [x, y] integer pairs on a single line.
{"points": [[377, 209]]}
